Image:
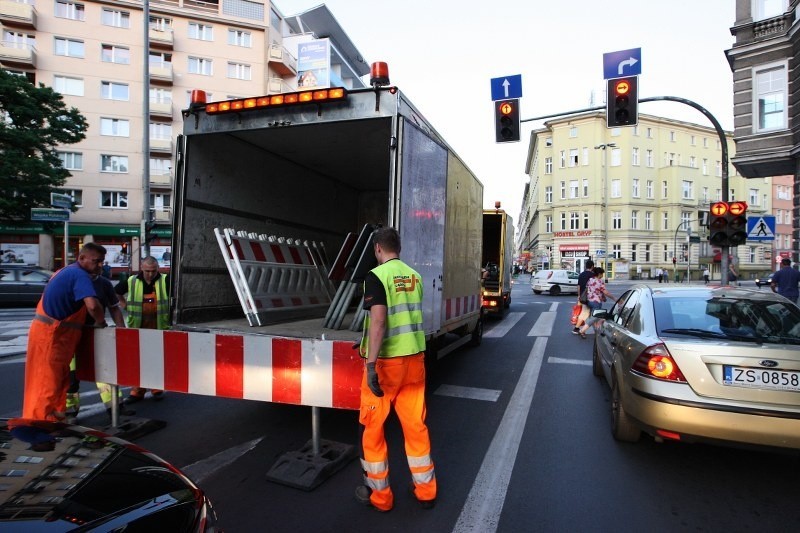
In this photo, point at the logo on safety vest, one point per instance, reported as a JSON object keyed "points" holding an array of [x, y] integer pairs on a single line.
{"points": [[405, 283]]}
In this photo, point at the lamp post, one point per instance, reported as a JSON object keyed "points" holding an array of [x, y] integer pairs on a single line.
{"points": [[603, 147], [675, 250]]}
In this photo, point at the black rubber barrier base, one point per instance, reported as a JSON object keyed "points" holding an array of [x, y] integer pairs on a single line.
{"points": [[133, 427], [305, 471]]}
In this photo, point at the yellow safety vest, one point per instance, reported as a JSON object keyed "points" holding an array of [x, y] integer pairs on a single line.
{"points": [[405, 333], [136, 298]]}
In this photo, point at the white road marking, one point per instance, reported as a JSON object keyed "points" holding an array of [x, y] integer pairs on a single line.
{"points": [[563, 361], [544, 325], [200, 470], [481, 512], [471, 393], [17, 361], [503, 327]]}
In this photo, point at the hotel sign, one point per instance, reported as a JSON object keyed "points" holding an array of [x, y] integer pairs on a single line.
{"points": [[582, 233]]}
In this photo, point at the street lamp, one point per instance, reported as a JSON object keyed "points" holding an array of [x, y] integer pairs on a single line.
{"points": [[603, 147], [675, 250]]}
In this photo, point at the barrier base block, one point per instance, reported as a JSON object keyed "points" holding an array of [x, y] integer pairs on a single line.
{"points": [[133, 427], [304, 470]]}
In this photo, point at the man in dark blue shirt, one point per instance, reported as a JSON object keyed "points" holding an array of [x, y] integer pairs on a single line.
{"points": [[785, 281]]}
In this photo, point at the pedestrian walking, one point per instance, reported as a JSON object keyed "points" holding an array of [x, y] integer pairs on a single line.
{"points": [[55, 332], [785, 281], [583, 277], [146, 298], [732, 275], [706, 275], [393, 345], [596, 293], [658, 274]]}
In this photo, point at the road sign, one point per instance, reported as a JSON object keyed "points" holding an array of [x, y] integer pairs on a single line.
{"points": [[600, 253], [507, 87], [622, 63], [702, 217], [60, 200], [42, 214], [761, 228]]}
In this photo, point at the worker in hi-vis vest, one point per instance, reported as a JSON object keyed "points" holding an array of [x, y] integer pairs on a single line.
{"points": [[393, 345], [146, 298]]}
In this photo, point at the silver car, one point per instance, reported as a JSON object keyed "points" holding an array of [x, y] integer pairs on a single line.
{"points": [[713, 364]]}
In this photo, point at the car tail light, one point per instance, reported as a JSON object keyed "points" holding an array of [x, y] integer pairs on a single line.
{"points": [[656, 362]]}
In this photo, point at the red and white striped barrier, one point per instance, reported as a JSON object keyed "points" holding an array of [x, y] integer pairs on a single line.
{"points": [[312, 372], [462, 305]]}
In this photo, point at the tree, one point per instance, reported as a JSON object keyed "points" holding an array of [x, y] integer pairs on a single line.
{"points": [[33, 122]]}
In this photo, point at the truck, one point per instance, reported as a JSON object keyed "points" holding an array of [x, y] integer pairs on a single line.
{"points": [[267, 191], [496, 252]]}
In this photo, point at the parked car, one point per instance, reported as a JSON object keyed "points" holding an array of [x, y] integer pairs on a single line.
{"points": [[62, 478], [712, 364], [767, 280], [22, 284], [555, 282]]}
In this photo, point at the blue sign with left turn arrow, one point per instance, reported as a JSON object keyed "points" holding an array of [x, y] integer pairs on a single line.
{"points": [[507, 87]]}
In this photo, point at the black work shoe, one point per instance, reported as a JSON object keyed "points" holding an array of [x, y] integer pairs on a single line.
{"points": [[158, 396], [362, 495], [425, 504], [132, 399]]}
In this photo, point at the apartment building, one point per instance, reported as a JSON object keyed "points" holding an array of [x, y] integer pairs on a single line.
{"points": [[634, 196], [766, 89], [94, 53], [782, 210]]}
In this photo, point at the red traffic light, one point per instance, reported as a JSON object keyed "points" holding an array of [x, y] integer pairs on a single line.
{"points": [[737, 208]]}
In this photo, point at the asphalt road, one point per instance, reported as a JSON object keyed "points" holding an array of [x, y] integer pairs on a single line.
{"points": [[521, 442]]}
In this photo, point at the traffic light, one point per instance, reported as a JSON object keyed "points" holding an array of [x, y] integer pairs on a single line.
{"points": [[149, 226], [737, 223], [622, 102], [727, 223], [506, 120]]}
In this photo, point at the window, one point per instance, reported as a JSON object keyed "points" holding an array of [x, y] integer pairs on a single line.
{"points": [[705, 195], [116, 18], [672, 136], [114, 199], [649, 133], [239, 71], [634, 220], [635, 188], [687, 190], [616, 220], [616, 157], [770, 98], [664, 189], [160, 60], [77, 196], [718, 168], [199, 65], [160, 96], [563, 190], [666, 254], [753, 200], [159, 130], [548, 165], [573, 157], [65, 85], [115, 127], [648, 220], [548, 194], [563, 159], [240, 38], [692, 161], [69, 10], [751, 253], [671, 159], [114, 91], [115, 54], [573, 188], [204, 32], [692, 140], [633, 252], [646, 253], [71, 160], [68, 47], [635, 157], [585, 156], [666, 221], [160, 23], [548, 223], [704, 168], [573, 132], [246, 9], [160, 166], [160, 201], [574, 220], [616, 251], [19, 40], [766, 9], [114, 163], [616, 188], [585, 187], [686, 218], [548, 142], [563, 221], [648, 158], [705, 142], [586, 221], [650, 189]]}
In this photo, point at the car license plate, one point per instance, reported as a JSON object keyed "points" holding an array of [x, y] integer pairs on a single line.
{"points": [[761, 378]]}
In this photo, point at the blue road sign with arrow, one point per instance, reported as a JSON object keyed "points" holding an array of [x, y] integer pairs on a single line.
{"points": [[622, 63], [507, 87]]}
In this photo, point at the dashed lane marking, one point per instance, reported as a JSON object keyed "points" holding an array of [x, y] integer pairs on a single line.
{"points": [[471, 393], [503, 327], [562, 361]]}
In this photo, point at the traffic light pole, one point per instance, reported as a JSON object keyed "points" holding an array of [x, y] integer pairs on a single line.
{"points": [[724, 259]]}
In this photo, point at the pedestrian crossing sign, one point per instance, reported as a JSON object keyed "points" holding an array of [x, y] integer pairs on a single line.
{"points": [[761, 228]]}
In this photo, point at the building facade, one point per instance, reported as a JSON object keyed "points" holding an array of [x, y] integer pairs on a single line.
{"points": [[766, 88], [632, 198], [94, 53]]}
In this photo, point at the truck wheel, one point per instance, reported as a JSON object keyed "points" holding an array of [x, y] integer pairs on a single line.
{"points": [[508, 302], [477, 333], [431, 361], [622, 427], [555, 290]]}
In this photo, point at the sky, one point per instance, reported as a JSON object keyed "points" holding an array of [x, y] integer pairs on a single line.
{"points": [[443, 53]]}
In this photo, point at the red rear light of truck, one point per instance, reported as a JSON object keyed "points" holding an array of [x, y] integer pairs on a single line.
{"points": [[321, 96]]}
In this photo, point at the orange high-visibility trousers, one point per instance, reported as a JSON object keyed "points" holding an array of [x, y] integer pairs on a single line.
{"points": [[51, 345], [403, 382]]}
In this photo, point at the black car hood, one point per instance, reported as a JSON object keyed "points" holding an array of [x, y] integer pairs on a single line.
{"points": [[58, 477]]}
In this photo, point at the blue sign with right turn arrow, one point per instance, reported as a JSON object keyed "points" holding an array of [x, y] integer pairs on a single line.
{"points": [[622, 63]]}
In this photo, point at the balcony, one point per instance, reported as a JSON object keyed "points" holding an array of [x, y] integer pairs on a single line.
{"points": [[162, 215], [161, 145], [161, 179], [161, 72], [160, 109], [282, 61], [208, 7], [17, 14], [17, 54], [161, 38], [278, 85]]}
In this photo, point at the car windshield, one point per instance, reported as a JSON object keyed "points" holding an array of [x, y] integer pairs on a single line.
{"points": [[761, 321]]}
